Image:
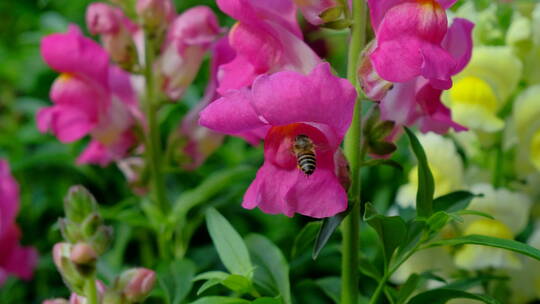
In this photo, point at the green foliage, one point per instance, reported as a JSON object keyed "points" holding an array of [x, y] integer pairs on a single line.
{"points": [[426, 184]]}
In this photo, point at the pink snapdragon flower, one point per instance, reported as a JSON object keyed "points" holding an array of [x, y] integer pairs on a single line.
{"points": [[266, 39], [201, 142], [116, 31], [418, 101], [14, 259], [91, 97], [189, 37], [287, 104], [409, 37]]}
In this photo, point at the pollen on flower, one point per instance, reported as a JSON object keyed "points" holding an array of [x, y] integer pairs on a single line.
{"points": [[65, 77]]}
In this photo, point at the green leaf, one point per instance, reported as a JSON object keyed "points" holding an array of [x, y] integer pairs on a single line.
{"points": [[220, 300], [368, 268], [492, 242], [176, 280], [219, 275], [437, 221], [382, 161], [443, 295], [474, 212], [304, 239], [230, 247], [331, 286], [392, 230], [328, 227], [266, 300], [238, 284], [272, 268], [407, 289], [208, 284], [453, 202], [426, 184]]}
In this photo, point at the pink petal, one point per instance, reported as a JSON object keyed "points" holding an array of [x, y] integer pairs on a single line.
{"points": [[398, 60], [399, 104], [231, 114], [75, 54], [71, 124], [458, 42], [320, 97], [438, 66], [378, 8]]}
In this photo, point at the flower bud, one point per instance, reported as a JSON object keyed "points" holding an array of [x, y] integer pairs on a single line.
{"points": [[116, 33], [135, 172], [56, 301], [61, 257], [90, 225], [318, 12], [137, 283], [372, 84], [83, 254], [102, 239], [102, 19], [78, 204], [70, 231], [188, 38], [155, 14]]}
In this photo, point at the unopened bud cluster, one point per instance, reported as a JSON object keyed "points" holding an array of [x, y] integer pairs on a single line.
{"points": [[86, 239]]}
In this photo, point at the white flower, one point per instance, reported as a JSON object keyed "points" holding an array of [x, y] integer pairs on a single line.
{"points": [[510, 208], [526, 117]]}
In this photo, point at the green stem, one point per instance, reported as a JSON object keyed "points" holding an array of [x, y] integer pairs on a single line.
{"points": [[353, 152], [153, 148], [390, 272], [90, 291], [153, 139]]}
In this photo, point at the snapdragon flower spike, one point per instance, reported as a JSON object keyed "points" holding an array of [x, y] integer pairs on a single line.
{"points": [[409, 37], [91, 97], [287, 104], [14, 259], [418, 101], [266, 39], [189, 37]]}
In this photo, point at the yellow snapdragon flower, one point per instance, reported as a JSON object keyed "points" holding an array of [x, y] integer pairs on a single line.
{"points": [[526, 117], [483, 88], [475, 257]]}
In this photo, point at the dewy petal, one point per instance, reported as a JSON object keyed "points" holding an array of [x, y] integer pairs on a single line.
{"points": [[231, 114], [458, 42], [75, 54], [320, 97]]}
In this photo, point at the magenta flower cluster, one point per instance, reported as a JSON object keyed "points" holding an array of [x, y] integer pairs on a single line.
{"points": [[266, 85]]}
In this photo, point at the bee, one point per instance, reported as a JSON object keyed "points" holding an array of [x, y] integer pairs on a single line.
{"points": [[304, 150]]}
